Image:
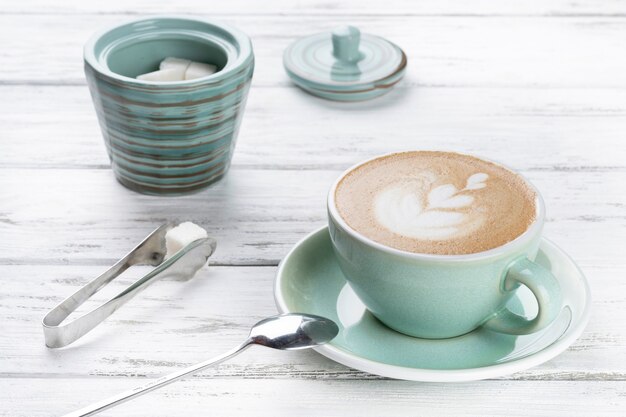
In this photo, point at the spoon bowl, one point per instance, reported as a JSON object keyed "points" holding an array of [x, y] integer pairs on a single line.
{"points": [[293, 331]]}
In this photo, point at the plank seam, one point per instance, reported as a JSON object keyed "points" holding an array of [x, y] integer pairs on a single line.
{"points": [[346, 14]]}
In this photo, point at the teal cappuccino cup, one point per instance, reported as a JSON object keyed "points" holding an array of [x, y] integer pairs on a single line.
{"points": [[441, 296], [169, 137]]}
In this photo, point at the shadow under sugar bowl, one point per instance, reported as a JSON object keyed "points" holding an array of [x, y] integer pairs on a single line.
{"points": [[169, 137]]}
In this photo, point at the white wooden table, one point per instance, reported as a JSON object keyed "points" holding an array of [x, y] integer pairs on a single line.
{"points": [[539, 85]]}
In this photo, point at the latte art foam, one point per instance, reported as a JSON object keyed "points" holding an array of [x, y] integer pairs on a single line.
{"points": [[436, 202], [416, 210]]}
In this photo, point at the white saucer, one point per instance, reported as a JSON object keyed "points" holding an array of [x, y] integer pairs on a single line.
{"points": [[310, 281]]}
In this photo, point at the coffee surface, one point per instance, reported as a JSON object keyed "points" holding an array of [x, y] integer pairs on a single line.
{"points": [[436, 202]]}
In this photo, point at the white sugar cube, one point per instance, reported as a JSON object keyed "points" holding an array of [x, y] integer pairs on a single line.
{"points": [[182, 235], [179, 69], [171, 74], [171, 62], [198, 70]]}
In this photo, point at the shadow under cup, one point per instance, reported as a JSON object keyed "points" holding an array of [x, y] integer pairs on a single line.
{"points": [[172, 137]]}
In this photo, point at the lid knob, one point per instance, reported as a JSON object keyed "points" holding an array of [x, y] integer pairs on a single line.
{"points": [[346, 41]]}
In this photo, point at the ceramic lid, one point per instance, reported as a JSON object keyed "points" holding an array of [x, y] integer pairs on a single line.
{"points": [[345, 64]]}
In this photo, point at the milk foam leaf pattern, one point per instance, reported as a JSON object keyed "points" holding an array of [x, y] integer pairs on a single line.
{"points": [[441, 193], [434, 217], [447, 196], [456, 201], [400, 209], [476, 181]]}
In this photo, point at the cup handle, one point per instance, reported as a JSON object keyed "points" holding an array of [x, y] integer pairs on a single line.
{"points": [[543, 285]]}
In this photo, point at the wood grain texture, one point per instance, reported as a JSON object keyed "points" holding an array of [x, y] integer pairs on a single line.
{"points": [[285, 128], [538, 85], [173, 324], [245, 397], [455, 51], [323, 7], [67, 216]]}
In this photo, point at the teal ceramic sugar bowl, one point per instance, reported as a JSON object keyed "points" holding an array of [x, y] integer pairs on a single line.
{"points": [[169, 137]]}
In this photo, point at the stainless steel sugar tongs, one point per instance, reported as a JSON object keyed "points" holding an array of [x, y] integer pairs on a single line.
{"points": [[152, 251]]}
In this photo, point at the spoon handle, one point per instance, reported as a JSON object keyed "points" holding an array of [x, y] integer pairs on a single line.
{"points": [[157, 383]]}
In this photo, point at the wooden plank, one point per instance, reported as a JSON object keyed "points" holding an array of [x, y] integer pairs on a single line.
{"points": [[85, 216], [173, 324], [451, 51], [284, 128], [315, 7], [244, 397]]}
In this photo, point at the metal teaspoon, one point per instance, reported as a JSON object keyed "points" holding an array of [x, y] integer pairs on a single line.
{"points": [[283, 332]]}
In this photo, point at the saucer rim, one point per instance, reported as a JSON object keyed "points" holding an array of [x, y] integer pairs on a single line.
{"points": [[444, 375]]}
